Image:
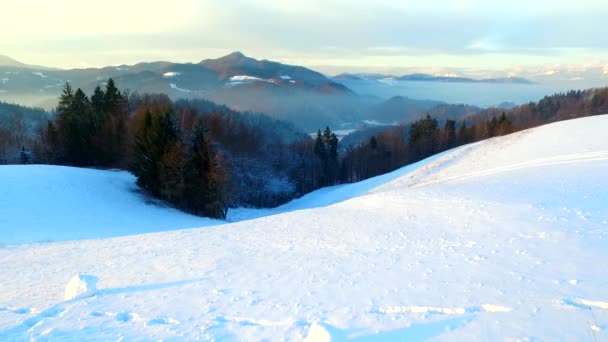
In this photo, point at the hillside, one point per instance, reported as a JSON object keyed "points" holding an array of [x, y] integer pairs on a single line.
{"points": [[491, 241], [118, 209]]}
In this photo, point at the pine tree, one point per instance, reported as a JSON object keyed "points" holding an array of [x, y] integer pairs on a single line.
{"points": [[218, 194], [198, 190], [115, 123], [98, 105], [319, 147], [463, 134], [504, 125], [170, 172], [155, 136], [449, 134], [424, 137]]}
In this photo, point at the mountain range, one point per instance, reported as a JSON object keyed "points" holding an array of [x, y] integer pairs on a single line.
{"points": [[304, 97], [293, 93], [427, 78]]}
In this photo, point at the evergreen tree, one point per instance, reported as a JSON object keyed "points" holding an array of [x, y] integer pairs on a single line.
{"points": [[98, 106], [326, 149], [319, 147], [200, 190], [373, 143], [75, 127], [170, 172], [463, 134], [424, 137], [504, 125], [115, 124], [155, 136], [449, 134]]}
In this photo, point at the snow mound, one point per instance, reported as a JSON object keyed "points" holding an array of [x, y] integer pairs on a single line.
{"points": [[42, 203], [317, 334], [81, 286]]}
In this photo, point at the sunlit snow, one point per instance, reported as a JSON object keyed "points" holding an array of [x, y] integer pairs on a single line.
{"points": [[503, 239]]}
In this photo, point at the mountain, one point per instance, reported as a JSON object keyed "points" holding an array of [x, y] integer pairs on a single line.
{"points": [[10, 62], [399, 109], [240, 66], [7, 61], [427, 78], [431, 78], [490, 241], [305, 97]]}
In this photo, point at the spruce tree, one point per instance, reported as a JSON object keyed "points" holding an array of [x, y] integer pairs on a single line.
{"points": [[449, 134], [155, 136], [197, 190]]}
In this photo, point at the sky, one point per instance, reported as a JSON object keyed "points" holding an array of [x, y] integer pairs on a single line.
{"points": [[329, 35]]}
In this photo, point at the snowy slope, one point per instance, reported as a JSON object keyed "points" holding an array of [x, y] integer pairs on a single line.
{"points": [[53, 203], [500, 240]]}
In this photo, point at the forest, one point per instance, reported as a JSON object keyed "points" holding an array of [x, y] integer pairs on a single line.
{"points": [[205, 158]]}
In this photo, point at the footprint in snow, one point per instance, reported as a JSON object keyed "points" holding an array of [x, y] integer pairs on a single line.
{"points": [[48, 313], [162, 321], [22, 311], [126, 317]]}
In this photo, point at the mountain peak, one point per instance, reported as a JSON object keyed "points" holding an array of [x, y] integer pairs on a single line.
{"points": [[7, 61], [236, 54]]}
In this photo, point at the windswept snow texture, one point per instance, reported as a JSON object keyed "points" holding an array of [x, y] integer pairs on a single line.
{"points": [[500, 240]]}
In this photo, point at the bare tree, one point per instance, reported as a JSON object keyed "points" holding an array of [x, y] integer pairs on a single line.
{"points": [[6, 138]]}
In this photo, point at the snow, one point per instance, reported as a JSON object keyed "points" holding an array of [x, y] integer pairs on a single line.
{"points": [[171, 74], [478, 243], [245, 79], [340, 133], [92, 204], [286, 77], [317, 334], [81, 286], [377, 123], [174, 86], [38, 73]]}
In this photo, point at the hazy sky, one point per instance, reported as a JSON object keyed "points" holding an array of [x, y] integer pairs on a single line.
{"points": [[330, 35]]}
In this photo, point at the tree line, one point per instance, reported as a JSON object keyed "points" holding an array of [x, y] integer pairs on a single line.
{"points": [[406, 144], [205, 158]]}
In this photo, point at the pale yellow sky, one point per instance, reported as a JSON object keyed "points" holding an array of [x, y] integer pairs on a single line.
{"points": [[332, 35]]}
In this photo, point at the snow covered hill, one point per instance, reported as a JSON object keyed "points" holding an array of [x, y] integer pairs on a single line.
{"points": [[52, 203], [500, 240]]}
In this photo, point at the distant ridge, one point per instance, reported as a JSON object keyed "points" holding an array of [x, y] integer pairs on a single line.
{"points": [[431, 78], [8, 61]]}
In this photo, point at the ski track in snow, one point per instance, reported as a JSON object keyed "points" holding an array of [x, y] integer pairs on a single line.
{"points": [[489, 241]]}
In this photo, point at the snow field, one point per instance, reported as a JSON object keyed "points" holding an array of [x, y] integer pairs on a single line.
{"points": [[499, 240]]}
